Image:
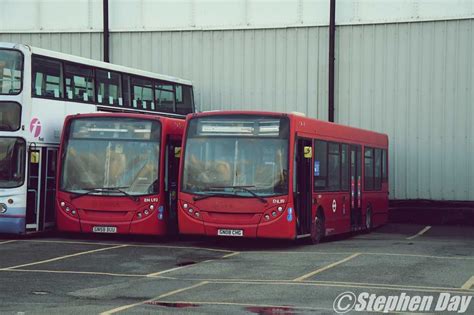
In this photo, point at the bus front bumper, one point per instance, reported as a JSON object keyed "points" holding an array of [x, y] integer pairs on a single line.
{"points": [[12, 224], [278, 228]]}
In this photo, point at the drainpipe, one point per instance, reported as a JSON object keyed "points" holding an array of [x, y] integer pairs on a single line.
{"points": [[332, 35], [105, 11]]}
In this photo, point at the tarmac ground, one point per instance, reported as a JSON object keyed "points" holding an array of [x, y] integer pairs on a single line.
{"points": [[103, 274]]}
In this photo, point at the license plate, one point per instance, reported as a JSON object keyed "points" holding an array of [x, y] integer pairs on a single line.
{"points": [[104, 229], [226, 232]]}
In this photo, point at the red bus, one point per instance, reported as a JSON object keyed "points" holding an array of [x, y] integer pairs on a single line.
{"points": [[276, 175], [118, 173]]}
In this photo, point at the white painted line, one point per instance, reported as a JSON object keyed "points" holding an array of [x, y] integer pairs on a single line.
{"points": [[126, 307], [64, 257], [155, 274], [306, 276], [130, 245], [420, 233], [469, 284], [92, 273]]}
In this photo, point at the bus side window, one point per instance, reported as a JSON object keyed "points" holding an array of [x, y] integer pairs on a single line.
{"points": [[108, 87], [369, 169], [345, 167], [79, 83], [47, 78], [334, 167], [384, 166], [184, 99], [378, 169], [320, 165]]}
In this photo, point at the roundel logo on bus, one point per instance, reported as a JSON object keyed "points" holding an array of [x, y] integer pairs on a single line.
{"points": [[334, 205], [35, 127]]}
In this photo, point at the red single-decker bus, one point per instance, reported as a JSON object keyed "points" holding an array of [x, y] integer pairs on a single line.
{"points": [[117, 173], [276, 175]]}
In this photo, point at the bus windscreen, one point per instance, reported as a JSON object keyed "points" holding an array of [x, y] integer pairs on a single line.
{"points": [[112, 153], [226, 153]]}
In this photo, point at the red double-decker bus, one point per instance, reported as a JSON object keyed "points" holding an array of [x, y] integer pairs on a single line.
{"points": [[118, 173], [275, 175]]}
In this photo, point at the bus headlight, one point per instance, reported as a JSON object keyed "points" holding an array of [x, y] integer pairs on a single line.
{"points": [[3, 208]]}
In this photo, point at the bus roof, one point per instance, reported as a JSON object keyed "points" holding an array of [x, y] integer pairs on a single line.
{"points": [[93, 63], [325, 129]]}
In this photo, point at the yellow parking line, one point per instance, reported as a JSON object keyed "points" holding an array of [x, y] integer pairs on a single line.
{"points": [[469, 284], [291, 307], [230, 255], [126, 307], [64, 257], [306, 276], [423, 231], [6, 242]]}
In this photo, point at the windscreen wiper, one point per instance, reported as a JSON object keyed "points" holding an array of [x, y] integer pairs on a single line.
{"points": [[244, 188], [102, 189]]}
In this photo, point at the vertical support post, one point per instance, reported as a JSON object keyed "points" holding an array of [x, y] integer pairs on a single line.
{"points": [[105, 10], [332, 35]]}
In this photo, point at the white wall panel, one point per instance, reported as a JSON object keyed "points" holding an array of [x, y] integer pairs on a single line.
{"points": [[160, 15], [88, 45], [274, 69], [413, 81]]}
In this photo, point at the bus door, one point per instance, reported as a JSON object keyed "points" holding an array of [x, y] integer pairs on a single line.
{"points": [[356, 185], [41, 188], [303, 171], [172, 171]]}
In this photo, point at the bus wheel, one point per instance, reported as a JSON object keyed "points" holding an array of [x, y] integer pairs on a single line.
{"points": [[368, 220], [317, 228]]}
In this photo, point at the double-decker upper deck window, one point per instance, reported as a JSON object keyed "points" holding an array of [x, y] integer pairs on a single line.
{"points": [[109, 88], [184, 99], [79, 83], [142, 94], [165, 97], [11, 71], [47, 78]]}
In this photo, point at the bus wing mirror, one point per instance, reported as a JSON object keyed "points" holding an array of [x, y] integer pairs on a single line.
{"points": [[308, 152]]}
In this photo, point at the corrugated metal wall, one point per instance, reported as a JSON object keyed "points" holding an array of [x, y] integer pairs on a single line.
{"points": [[414, 81], [280, 70], [88, 45]]}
